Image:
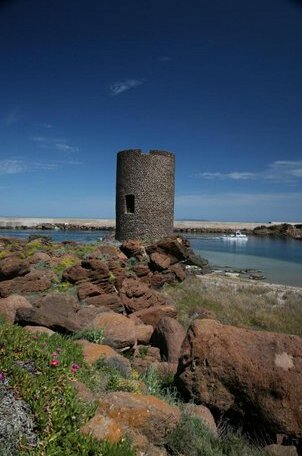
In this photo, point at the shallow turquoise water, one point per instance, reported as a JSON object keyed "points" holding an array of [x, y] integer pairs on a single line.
{"points": [[280, 260]]}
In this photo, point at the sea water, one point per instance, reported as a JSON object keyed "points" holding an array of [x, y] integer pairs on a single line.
{"points": [[279, 260]]}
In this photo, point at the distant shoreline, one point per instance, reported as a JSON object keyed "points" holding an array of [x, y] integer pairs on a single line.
{"points": [[34, 222]]}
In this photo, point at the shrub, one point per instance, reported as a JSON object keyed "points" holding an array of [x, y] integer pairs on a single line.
{"points": [[192, 438], [95, 336]]}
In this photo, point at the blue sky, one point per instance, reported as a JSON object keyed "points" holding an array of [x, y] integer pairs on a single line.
{"points": [[218, 83]]}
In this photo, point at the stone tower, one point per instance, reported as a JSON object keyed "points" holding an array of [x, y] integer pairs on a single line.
{"points": [[144, 194]]}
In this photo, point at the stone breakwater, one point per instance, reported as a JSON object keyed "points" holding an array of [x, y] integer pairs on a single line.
{"points": [[184, 226]]}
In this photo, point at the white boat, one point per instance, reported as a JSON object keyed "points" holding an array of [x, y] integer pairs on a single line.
{"points": [[238, 236]]}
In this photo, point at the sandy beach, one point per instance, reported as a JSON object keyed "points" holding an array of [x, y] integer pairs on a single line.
{"points": [[30, 222]]}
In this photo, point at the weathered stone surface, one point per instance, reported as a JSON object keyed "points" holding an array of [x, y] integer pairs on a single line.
{"points": [[159, 261], [158, 279], [143, 333], [102, 427], [280, 450], [133, 248], [178, 271], [168, 336], [93, 352], [119, 331], [8, 306], [75, 274], [39, 330], [141, 413], [145, 357], [203, 413], [152, 315], [110, 301], [136, 295], [34, 281], [141, 270], [176, 248], [40, 257], [88, 289], [243, 372], [13, 266], [55, 311]]}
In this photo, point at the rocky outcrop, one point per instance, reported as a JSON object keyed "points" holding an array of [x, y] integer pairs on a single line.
{"points": [[244, 374], [152, 315]]}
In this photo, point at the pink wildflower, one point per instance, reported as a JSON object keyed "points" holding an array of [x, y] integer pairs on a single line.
{"points": [[2, 377], [74, 368], [54, 363]]}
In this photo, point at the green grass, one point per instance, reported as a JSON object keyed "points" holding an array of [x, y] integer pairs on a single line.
{"points": [[239, 303], [48, 390], [192, 438]]}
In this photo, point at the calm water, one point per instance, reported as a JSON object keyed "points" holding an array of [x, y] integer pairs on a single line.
{"points": [[280, 260]]}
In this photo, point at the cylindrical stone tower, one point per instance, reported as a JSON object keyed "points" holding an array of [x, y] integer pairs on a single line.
{"points": [[144, 194]]}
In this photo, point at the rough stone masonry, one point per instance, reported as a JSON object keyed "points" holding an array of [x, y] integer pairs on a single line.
{"points": [[144, 194]]}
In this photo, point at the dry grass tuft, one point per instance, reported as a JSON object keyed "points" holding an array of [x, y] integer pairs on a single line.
{"points": [[239, 302]]}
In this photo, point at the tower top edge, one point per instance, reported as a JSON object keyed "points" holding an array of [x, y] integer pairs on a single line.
{"points": [[139, 152]]}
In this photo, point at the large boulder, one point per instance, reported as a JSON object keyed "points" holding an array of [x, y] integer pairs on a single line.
{"points": [[168, 336], [245, 374], [121, 412], [56, 311], [59, 312]]}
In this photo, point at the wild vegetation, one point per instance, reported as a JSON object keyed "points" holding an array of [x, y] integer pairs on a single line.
{"points": [[238, 302]]}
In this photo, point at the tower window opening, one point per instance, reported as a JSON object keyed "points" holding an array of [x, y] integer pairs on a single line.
{"points": [[129, 204]]}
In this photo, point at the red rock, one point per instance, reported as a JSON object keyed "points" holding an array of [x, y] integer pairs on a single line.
{"points": [[8, 306], [55, 311], [143, 333], [159, 279], [34, 281], [88, 289], [159, 261], [141, 270], [40, 257], [168, 336], [110, 301], [75, 274], [13, 266], [94, 352], [136, 295], [152, 315], [133, 248], [141, 413], [176, 248], [178, 271], [119, 331], [256, 374]]}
